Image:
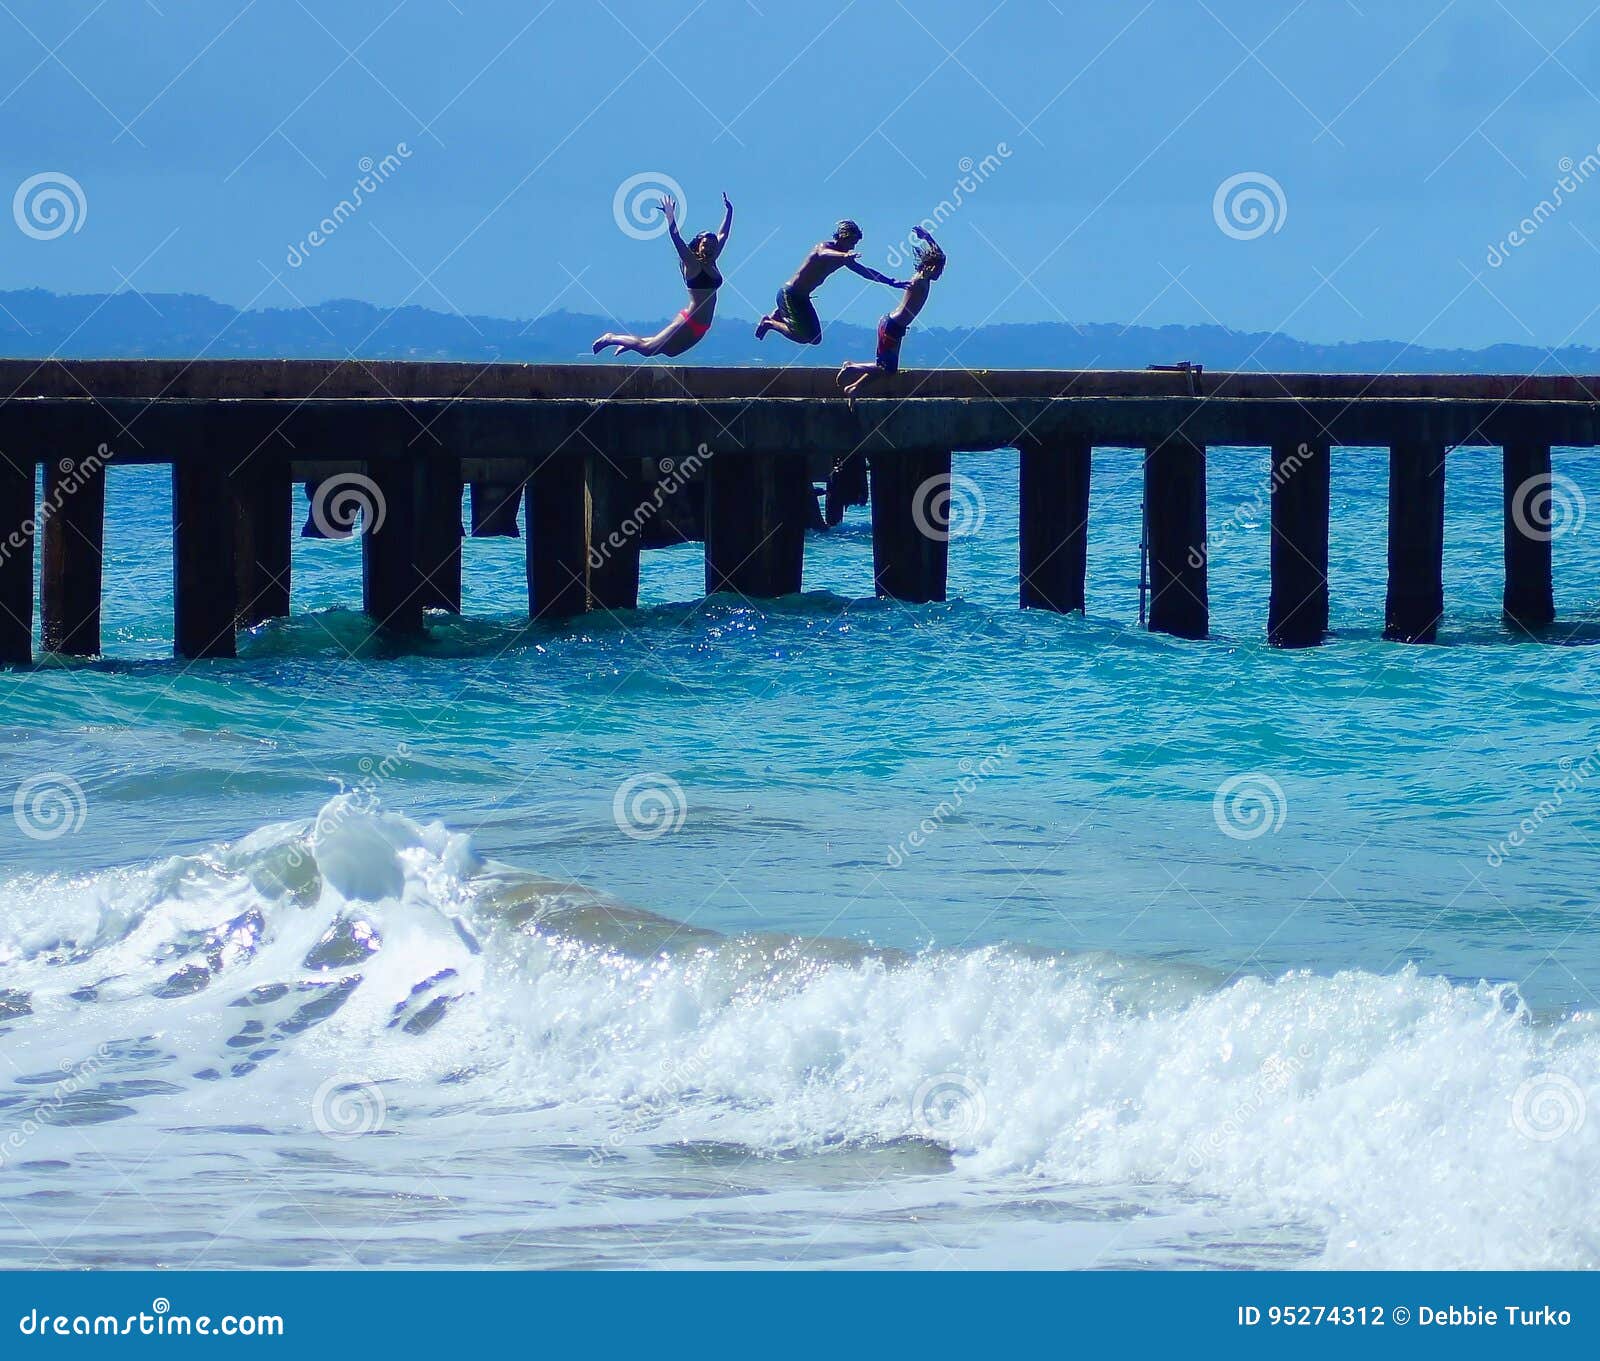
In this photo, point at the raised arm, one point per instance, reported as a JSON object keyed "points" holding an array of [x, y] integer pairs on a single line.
{"points": [[727, 223], [867, 272], [669, 210]]}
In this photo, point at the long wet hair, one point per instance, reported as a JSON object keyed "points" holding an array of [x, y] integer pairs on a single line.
{"points": [[930, 255], [843, 228], [702, 248]]}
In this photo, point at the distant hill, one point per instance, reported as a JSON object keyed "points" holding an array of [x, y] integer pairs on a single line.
{"points": [[36, 323]]}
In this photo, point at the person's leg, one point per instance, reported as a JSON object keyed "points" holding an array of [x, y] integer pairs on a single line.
{"points": [[647, 346], [852, 370]]}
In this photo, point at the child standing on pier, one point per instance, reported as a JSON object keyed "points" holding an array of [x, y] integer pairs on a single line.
{"points": [[854, 376]]}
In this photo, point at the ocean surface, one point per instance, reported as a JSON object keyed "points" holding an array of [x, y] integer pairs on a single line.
{"points": [[833, 932]]}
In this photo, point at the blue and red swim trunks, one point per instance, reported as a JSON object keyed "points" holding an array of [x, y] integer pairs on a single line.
{"points": [[890, 334]]}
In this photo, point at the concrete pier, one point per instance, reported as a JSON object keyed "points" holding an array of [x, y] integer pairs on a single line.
{"points": [[72, 520], [589, 445], [1529, 601], [755, 524], [1175, 530], [910, 524], [1414, 603], [17, 534], [1053, 482], [1297, 613]]}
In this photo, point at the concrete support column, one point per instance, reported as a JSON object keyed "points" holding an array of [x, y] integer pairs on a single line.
{"points": [[911, 524], [1415, 601], [439, 532], [73, 522], [205, 600], [558, 537], [616, 498], [1298, 613], [1175, 531], [17, 510], [1529, 602], [1053, 493], [756, 523], [391, 583], [263, 501]]}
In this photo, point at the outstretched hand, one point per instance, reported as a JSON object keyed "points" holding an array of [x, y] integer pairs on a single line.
{"points": [[669, 207], [725, 202]]}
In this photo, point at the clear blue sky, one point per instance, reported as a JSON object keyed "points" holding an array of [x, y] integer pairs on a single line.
{"points": [[208, 136]]}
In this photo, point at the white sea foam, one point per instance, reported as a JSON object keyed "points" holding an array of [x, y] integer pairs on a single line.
{"points": [[1411, 1121]]}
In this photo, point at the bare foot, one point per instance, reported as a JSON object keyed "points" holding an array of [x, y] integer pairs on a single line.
{"points": [[762, 327], [603, 343]]}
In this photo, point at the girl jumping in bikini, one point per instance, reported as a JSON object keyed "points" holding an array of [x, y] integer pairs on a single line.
{"points": [[698, 260]]}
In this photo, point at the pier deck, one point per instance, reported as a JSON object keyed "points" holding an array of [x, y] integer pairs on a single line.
{"points": [[598, 449]]}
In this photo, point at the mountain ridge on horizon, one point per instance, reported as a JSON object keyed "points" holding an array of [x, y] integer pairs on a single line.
{"points": [[37, 323]]}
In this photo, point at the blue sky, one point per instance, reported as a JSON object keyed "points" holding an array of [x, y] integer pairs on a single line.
{"points": [[1404, 139]]}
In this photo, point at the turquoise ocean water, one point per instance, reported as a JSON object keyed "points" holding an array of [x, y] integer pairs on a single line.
{"points": [[833, 932]]}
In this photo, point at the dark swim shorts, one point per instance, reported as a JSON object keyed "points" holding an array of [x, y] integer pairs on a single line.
{"points": [[890, 334], [796, 309]]}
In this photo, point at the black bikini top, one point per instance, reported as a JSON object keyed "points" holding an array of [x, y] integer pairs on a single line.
{"points": [[704, 280]]}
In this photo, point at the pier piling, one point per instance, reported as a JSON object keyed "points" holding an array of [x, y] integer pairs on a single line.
{"points": [[1053, 492], [17, 509], [1529, 600], [205, 601], [73, 524], [439, 532], [494, 508], [1415, 599], [263, 499], [756, 524], [558, 537], [1175, 526], [391, 584], [911, 492], [612, 556], [1297, 612]]}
